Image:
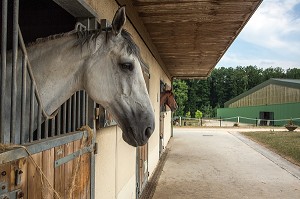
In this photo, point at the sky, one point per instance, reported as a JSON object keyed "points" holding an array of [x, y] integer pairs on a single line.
{"points": [[271, 38]]}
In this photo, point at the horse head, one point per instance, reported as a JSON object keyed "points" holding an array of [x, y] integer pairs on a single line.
{"points": [[114, 79], [167, 97]]}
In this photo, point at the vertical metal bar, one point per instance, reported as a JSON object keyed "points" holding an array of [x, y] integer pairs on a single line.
{"points": [[83, 108], [53, 127], [31, 112], [39, 122], [70, 114], [64, 119], [58, 122], [46, 128], [3, 134], [23, 103], [86, 109], [14, 71], [74, 113], [78, 108]]}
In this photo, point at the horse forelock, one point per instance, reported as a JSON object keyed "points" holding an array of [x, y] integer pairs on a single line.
{"points": [[131, 47]]}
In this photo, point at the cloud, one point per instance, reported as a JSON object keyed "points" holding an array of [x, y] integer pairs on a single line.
{"points": [[233, 60], [271, 38], [275, 25]]}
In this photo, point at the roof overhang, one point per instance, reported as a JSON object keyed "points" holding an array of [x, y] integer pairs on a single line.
{"points": [[186, 37]]}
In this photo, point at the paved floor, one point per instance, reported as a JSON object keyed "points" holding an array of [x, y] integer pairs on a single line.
{"points": [[217, 163]]}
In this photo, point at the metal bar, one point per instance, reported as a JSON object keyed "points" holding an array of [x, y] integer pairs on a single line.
{"points": [[3, 134], [64, 119], [31, 119], [14, 71], [86, 109], [72, 156], [42, 145], [58, 122], [38, 97], [23, 103], [74, 113], [46, 131], [39, 122], [83, 108], [69, 114], [78, 108], [53, 127]]}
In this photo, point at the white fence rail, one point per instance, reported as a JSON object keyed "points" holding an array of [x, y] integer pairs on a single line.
{"points": [[232, 121]]}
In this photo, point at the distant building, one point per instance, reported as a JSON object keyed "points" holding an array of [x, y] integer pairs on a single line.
{"points": [[268, 102]]}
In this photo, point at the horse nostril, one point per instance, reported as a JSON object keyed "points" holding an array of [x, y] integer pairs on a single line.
{"points": [[148, 132]]}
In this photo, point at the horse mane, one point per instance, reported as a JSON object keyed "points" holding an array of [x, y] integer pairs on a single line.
{"points": [[51, 37], [168, 91], [87, 35]]}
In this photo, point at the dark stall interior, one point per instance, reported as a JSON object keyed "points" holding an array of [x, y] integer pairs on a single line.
{"points": [[38, 19]]}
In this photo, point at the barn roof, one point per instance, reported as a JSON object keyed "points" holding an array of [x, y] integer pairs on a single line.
{"points": [[189, 37], [291, 83]]}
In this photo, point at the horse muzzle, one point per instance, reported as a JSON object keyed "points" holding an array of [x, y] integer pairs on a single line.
{"points": [[137, 136]]}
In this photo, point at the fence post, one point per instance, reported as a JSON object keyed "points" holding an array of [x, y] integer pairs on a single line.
{"points": [[238, 120], [179, 121], [220, 121], [256, 121]]}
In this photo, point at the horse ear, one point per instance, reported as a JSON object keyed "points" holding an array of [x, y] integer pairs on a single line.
{"points": [[119, 20]]}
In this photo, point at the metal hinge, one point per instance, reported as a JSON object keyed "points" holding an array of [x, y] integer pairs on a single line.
{"points": [[12, 194]]}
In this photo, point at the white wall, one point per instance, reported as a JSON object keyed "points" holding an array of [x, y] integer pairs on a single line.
{"points": [[115, 165], [167, 127]]}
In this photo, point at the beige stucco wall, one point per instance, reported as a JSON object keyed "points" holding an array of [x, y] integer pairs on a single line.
{"points": [[167, 127], [116, 161], [115, 166]]}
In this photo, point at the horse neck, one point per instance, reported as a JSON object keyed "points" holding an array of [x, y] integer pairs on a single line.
{"points": [[163, 98], [57, 67]]}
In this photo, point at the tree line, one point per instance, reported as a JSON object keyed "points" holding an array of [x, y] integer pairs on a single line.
{"points": [[222, 85]]}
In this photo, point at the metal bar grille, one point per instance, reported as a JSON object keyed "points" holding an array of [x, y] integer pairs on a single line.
{"points": [[31, 124]]}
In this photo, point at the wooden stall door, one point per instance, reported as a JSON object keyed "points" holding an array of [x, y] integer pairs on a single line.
{"points": [[142, 176], [67, 172]]}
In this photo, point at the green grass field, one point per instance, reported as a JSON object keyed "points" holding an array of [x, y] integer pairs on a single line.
{"points": [[286, 144]]}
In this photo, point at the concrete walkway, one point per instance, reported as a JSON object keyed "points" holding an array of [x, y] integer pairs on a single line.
{"points": [[217, 163]]}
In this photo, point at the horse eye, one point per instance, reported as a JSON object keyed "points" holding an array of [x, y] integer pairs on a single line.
{"points": [[126, 66]]}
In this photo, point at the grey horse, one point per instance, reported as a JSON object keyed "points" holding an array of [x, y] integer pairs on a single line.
{"points": [[107, 65]]}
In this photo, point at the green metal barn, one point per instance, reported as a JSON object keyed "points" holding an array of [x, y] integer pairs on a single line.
{"points": [[273, 102]]}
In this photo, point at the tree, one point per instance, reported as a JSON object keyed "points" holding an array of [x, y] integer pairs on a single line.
{"points": [[293, 73], [188, 114], [198, 95], [180, 89], [198, 114], [273, 73]]}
